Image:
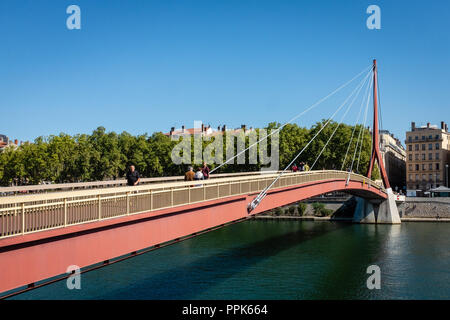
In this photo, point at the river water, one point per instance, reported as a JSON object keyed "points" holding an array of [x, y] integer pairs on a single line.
{"points": [[279, 259]]}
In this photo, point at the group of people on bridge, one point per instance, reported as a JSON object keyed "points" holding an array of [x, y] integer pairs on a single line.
{"points": [[202, 173], [301, 167]]}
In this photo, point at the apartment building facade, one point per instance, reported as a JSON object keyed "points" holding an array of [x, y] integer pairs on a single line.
{"points": [[394, 158], [6, 142], [428, 154]]}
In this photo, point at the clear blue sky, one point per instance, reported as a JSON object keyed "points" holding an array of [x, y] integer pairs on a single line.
{"points": [[145, 66]]}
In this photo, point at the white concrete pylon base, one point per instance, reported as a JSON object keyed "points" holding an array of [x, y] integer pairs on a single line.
{"points": [[388, 211], [364, 211], [371, 212]]}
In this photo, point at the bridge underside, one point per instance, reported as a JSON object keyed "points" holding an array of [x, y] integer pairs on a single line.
{"points": [[32, 257]]}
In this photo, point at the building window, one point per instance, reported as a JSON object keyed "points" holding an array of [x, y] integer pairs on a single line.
{"points": [[430, 136], [430, 146], [430, 156], [410, 167], [437, 155], [410, 156], [437, 146], [409, 138], [437, 166], [416, 146], [423, 146], [417, 156], [417, 178], [430, 176], [430, 166], [410, 147], [417, 167], [423, 156], [410, 177], [423, 166], [437, 137], [417, 138], [438, 177]]}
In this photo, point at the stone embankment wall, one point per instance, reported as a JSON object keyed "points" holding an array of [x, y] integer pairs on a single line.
{"points": [[337, 206], [415, 207], [309, 209]]}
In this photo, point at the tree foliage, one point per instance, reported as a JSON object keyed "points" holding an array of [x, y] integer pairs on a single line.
{"points": [[106, 155]]}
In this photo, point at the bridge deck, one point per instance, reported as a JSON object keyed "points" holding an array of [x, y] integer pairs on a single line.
{"points": [[26, 214]]}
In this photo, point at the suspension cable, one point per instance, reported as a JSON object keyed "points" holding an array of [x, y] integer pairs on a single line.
{"points": [[263, 193], [341, 121], [362, 136], [362, 128], [296, 117], [355, 125], [379, 102], [360, 147]]}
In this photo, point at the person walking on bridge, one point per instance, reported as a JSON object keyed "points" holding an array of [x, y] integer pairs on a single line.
{"points": [[199, 174], [189, 176], [205, 171], [133, 176]]}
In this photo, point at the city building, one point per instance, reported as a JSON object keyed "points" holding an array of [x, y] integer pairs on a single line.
{"points": [[428, 157], [394, 158], [3, 141], [205, 130], [6, 142]]}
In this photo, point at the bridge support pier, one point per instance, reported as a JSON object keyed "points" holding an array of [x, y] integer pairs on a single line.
{"points": [[368, 211]]}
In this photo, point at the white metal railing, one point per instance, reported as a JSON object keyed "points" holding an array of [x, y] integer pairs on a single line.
{"points": [[37, 212], [20, 190]]}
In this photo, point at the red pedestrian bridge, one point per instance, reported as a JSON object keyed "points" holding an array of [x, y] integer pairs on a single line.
{"points": [[42, 234]]}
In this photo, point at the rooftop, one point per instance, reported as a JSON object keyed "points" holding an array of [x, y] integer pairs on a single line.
{"points": [[206, 130], [443, 127]]}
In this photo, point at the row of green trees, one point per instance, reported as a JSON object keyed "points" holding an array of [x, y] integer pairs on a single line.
{"points": [[293, 210], [299, 209], [106, 155]]}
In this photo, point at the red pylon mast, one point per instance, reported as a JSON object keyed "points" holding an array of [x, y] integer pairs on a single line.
{"points": [[376, 134]]}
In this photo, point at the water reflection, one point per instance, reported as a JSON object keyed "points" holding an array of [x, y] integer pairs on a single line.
{"points": [[279, 260]]}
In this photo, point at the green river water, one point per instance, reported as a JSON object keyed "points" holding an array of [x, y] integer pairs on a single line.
{"points": [[279, 259]]}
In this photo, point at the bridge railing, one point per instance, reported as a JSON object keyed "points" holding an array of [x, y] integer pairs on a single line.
{"points": [[43, 188], [37, 212]]}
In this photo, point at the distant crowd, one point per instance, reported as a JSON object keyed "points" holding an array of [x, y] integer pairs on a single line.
{"points": [[202, 173], [301, 167]]}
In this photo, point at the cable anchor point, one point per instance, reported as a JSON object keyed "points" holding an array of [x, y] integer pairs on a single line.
{"points": [[252, 205]]}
